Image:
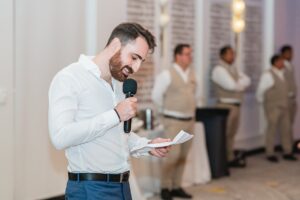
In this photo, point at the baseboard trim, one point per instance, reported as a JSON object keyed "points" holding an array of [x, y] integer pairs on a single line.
{"points": [[60, 197]]}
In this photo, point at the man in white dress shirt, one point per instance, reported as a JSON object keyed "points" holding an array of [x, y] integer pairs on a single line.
{"points": [[287, 54], [86, 111], [273, 93], [174, 94], [230, 84]]}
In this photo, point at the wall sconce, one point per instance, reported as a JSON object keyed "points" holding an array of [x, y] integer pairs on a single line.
{"points": [[238, 7], [164, 20], [238, 25], [164, 17], [163, 3], [238, 11]]}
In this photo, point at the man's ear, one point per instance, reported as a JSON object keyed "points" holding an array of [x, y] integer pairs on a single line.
{"points": [[115, 46]]}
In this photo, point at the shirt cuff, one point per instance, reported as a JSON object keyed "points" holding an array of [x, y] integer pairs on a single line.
{"points": [[143, 151]]}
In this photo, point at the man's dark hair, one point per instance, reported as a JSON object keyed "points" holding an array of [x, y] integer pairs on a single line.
{"points": [[179, 48], [275, 58], [285, 48], [224, 50], [127, 32]]}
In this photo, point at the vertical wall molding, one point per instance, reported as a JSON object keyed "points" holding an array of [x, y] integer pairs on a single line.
{"points": [[200, 49], [268, 31], [91, 26]]}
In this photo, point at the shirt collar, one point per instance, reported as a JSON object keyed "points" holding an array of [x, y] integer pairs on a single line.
{"points": [[223, 63], [277, 71], [287, 64], [89, 64], [180, 70]]}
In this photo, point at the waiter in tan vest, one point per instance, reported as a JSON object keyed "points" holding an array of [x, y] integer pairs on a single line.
{"points": [[174, 94], [273, 93], [230, 85], [287, 55]]}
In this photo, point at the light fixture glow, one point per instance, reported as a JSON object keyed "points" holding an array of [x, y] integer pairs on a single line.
{"points": [[238, 8], [238, 25], [164, 20]]}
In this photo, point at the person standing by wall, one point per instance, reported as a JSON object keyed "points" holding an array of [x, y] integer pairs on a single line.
{"points": [[174, 94], [273, 93], [287, 55], [230, 86]]}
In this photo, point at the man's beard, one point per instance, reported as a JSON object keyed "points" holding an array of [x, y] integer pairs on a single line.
{"points": [[116, 68]]}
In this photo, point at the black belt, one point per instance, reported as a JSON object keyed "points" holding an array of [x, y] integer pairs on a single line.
{"points": [[178, 118], [124, 177]]}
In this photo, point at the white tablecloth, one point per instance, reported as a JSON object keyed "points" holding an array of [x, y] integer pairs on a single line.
{"points": [[145, 175]]}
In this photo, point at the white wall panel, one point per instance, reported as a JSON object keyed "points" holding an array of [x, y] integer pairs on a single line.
{"points": [[49, 36], [7, 137]]}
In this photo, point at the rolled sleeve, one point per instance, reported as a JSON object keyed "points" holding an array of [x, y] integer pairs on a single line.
{"points": [[222, 78], [136, 141]]}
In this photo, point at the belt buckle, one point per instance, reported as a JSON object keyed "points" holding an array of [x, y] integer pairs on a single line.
{"points": [[121, 178]]}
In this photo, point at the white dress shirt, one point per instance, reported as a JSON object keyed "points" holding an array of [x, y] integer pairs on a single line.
{"points": [[266, 82], [287, 64], [221, 77], [82, 120], [161, 84]]}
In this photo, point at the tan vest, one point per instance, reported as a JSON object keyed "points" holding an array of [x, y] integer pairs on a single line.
{"points": [[289, 77], [223, 93], [180, 96], [277, 95]]}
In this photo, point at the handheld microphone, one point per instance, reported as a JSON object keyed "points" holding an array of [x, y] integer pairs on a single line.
{"points": [[129, 89]]}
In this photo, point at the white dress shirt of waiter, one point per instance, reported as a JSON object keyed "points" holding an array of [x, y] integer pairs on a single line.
{"points": [[86, 111], [230, 84]]}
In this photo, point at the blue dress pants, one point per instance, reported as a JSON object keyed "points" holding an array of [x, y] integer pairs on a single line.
{"points": [[97, 190]]}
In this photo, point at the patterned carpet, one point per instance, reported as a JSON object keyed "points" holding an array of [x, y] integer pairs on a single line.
{"points": [[261, 180]]}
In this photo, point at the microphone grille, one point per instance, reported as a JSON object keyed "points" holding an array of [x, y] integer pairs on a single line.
{"points": [[129, 86]]}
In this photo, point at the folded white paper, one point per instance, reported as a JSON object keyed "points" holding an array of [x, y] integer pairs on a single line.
{"points": [[180, 138]]}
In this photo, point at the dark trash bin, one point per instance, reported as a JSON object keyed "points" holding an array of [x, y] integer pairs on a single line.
{"points": [[214, 120]]}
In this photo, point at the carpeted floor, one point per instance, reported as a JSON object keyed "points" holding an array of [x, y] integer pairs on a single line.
{"points": [[261, 180]]}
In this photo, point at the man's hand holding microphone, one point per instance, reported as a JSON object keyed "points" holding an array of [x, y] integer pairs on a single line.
{"points": [[127, 109]]}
